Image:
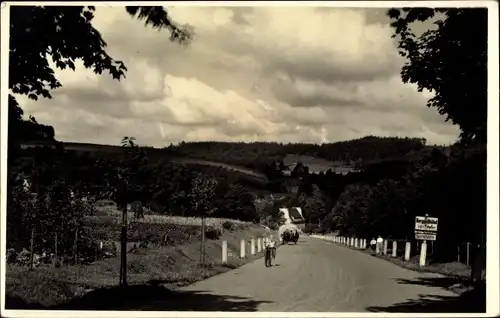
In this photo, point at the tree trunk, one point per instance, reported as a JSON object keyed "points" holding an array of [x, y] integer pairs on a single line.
{"points": [[32, 244], [56, 255], [75, 248], [203, 242], [123, 253]]}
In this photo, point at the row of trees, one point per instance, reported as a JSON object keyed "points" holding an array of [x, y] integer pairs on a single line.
{"points": [[255, 153], [54, 189], [451, 188]]}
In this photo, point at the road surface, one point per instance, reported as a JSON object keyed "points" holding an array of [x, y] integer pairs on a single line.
{"points": [[320, 276]]}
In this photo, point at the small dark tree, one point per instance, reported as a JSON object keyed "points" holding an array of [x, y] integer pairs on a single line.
{"points": [[201, 199]]}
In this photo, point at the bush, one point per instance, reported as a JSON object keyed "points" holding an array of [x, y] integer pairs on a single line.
{"points": [[227, 226], [213, 233]]}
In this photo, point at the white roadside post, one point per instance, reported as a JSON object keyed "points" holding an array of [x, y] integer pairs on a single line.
{"points": [[259, 246], [364, 244], [356, 242], [242, 249], [394, 248], [252, 247], [423, 253], [385, 247], [425, 230], [224, 252], [407, 251]]}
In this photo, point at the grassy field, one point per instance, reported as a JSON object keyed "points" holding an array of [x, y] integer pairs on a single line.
{"points": [[173, 265], [246, 171]]}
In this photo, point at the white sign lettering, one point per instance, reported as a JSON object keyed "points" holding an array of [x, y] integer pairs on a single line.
{"points": [[427, 224], [425, 236]]}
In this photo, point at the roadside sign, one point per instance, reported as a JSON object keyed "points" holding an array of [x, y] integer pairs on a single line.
{"points": [[426, 224], [425, 236], [426, 228]]}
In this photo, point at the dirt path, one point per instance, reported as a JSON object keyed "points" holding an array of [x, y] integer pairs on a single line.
{"points": [[320, 276]]}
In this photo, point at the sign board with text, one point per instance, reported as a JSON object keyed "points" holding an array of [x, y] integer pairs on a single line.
{"points": [[426, 228], [425, 236], [426, 224]]}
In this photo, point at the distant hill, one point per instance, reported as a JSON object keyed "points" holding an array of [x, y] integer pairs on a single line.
{"points": [[252, 159]]}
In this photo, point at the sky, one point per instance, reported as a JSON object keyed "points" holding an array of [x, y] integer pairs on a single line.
{"points": [[250, 74]]}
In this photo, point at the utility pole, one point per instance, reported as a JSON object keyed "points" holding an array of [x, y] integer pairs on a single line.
{"points": [[123, 248]]}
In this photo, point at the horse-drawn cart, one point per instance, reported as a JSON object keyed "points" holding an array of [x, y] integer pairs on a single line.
{"points": [[289, 233]]}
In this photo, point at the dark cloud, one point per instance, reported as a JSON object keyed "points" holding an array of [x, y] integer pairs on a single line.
{"points": [[329, 70], [288, 93]]}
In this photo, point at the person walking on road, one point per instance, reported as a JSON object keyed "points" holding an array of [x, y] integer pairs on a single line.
{"points": [[380, 242], [270, 246]]}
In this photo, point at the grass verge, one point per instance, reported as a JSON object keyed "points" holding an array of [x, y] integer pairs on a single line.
{"points": [[170, 266]]}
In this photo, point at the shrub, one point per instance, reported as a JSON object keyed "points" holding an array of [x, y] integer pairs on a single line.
{"points": [[227, 226], [213, 233]]}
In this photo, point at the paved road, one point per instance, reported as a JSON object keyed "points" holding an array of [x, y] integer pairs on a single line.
{"points": [[320, 276]]}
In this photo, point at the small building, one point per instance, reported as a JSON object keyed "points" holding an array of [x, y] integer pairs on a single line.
{"points": [[293, 215]]}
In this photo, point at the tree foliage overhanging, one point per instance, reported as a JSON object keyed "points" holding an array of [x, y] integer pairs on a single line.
{"points": [[63, 35], [450, 61]]}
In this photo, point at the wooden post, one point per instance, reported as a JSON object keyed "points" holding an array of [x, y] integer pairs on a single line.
{"points": [[56, 264], [458, 253], [75, 248], [123, 253], [467, 257], [32, 246], [202, 250], [242, 249], [423, 253], [407, 251], [224, 252]]}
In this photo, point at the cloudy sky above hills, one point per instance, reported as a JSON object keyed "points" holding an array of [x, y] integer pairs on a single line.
{"points": [[275, 74]]}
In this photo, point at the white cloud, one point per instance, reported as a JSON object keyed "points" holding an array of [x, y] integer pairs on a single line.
{"points": [[284, 74]]}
